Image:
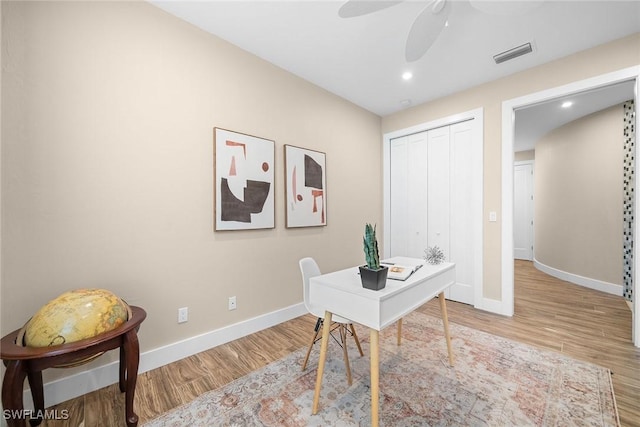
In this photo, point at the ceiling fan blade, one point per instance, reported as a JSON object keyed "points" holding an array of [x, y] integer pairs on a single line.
{"points": [[353, 8], [426, 29]]}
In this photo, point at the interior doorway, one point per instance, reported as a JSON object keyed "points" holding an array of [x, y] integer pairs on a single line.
{"points": [[508, 126]]}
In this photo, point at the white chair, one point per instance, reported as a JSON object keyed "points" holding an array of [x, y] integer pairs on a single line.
{"points": [[309, 269]]}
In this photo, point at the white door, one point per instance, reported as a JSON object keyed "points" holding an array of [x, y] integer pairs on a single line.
{"points": [[523, 210], [408, 198], [438, 191], [417, 197], [465, 160], [398, 196], [435, 195]]}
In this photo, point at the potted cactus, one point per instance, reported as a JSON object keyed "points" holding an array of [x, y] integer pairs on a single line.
{"points": [[372, 275]]}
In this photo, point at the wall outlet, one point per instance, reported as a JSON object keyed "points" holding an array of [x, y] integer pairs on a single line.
{"points": [[183, 314], [232, 303]]}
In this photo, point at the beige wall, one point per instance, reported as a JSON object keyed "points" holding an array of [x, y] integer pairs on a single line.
{"points": [[107, 153], [578, 194], [521, 156], [610, 57]]}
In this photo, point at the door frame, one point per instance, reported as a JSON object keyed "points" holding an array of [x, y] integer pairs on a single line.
{"points": [[477, 115], [508, 131]]}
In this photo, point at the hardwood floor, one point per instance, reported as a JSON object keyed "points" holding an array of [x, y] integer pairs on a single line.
{"points": [[582, 323], [549, 313]]}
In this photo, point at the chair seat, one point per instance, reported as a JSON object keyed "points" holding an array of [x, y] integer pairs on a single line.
{"points": [[340, 319], [334, 318], [309, 269]]}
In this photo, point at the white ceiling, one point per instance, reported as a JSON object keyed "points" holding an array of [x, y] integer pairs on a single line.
{"points": [[362, 59], [535, 121]]}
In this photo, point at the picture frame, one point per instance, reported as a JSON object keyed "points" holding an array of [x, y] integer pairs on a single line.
{"points": [[244, 181], [306, 187]]}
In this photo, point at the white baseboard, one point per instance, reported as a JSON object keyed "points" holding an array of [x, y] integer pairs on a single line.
{"points": [[598, 285], [492, 306], [500, 307], [85, 382]]}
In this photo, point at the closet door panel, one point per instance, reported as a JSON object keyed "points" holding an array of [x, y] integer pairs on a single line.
{"points": [[417, 195], [465, 194], [438, 190], [399, 222]]}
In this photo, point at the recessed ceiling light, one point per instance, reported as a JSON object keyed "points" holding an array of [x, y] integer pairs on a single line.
{"points": [[407, 75], [567, 104], [405, 102]]}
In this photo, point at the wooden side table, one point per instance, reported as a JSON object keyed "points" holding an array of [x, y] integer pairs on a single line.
{"points": [[29, 362]]}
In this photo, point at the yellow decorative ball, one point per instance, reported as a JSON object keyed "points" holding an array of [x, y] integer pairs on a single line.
{"points": [[74, 316]]}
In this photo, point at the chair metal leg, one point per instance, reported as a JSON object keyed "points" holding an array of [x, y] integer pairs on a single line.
{"points": [[313, 341], [355, 337], [344, 330], [343, 338]]}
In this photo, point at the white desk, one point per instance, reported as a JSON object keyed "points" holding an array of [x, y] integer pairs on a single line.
{"points": [[341, 293]]}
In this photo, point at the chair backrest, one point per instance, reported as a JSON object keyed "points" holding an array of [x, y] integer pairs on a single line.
{"points": [[309, 269]]}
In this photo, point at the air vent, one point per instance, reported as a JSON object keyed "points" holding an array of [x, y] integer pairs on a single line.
{"points": [[513, 53]]}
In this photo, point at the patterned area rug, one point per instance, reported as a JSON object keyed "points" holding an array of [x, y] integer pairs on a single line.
{"points": [[495, 382]]}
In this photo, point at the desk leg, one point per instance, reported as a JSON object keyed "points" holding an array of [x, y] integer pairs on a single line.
{"points": [[375, 376], [400, 331], [326, 328], [131, 355], [445, 321]]}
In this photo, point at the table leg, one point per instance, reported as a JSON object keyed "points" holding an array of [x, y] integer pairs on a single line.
{"points": [[122, 378], [12, 392], [375, 376], [326, 328], [445, 321], [37, 394], [400, 331], [131, 355]]}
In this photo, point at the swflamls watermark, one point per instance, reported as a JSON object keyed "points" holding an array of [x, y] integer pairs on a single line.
{"points": [[41, 414]]}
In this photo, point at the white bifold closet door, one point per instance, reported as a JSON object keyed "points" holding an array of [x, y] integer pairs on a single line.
{"points": [[436, 200]]}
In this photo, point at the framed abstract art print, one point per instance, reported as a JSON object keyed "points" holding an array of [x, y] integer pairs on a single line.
{"points": [[306, 187], [243, 181]]}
